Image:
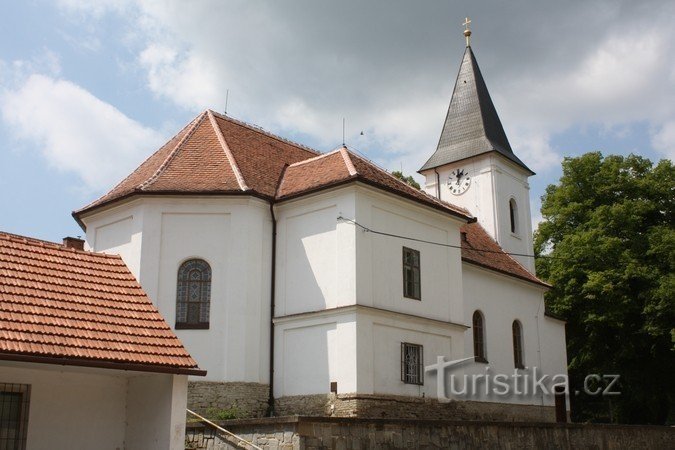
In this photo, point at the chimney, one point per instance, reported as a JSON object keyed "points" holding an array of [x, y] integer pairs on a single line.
{"points": [[72, 242], [463, 235]]}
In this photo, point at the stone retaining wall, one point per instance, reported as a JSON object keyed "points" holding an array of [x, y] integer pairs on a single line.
{"points": [[247, 399], [389, 406], [319, 433]]}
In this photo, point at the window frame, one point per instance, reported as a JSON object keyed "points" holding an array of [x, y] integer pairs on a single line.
{"points": [[513, 215], [517, 334], [416, 272], [416, 375], [479, 345], [24, 393], [182, 295]]}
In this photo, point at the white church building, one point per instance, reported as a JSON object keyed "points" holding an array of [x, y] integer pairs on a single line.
{"points": [[317, 283]]}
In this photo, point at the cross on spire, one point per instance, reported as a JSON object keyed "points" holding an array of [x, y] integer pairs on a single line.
{"points": [[467, 31]]}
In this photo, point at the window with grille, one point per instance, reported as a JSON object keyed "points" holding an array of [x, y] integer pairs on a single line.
{"points": [[518, 345], [14, 402], [412, 360], [411, 274], [479, 337], [193, 295]]}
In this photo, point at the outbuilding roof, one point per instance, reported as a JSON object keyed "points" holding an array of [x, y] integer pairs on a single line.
{"points": [[65, 306]]}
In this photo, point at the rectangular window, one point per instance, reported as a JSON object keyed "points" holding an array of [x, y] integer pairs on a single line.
{"points": [[412, 363], [411, 274], [14, 401]]}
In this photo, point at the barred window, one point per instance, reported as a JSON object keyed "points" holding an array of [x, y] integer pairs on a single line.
{"points": [[518, 345], [479, 337], [411, 274], [14, 402], [412, 361], [193, 295]]}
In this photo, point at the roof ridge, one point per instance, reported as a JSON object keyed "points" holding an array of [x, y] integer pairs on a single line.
{"points": [[259, 129], [421, 191], [20, 239], [195, 123], [228, 152], [348, 161], [309, 160]]}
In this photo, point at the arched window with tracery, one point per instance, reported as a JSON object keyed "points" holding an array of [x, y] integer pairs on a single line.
{"points": [[518, 345], [513, 214], [479, 337], [193, 295]]}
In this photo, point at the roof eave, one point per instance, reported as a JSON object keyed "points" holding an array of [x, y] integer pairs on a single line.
{"points": [[101, 364], [78, 214], [539, 283]]}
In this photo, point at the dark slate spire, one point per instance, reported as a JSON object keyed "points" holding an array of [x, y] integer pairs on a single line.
{"points": [[472, 126]]}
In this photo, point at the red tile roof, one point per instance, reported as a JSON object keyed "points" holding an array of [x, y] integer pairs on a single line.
{"points": [[480, 249], [216, 154], [69, 306]]}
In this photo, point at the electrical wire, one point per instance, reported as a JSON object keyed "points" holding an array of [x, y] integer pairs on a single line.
{"points": [[370, 230]]}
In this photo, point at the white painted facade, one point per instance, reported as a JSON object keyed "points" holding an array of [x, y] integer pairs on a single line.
{"points": [[86, 408], [340, 313]]}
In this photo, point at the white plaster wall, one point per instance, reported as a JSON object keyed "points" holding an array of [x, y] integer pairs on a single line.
{"points": [[315, 253], [379, 263], [313, 351], [502, 300], [71, 408], [155, 411], [234, 235], [379, 341], [494, 180]]}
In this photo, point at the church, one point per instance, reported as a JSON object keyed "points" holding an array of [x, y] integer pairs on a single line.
{"points": [[319, 284]]}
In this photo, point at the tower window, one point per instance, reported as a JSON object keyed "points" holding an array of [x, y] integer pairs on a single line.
{"points": [[517, 345], [411, 274], [513, 214], [193, 295], [412, 361], [479, 337]]}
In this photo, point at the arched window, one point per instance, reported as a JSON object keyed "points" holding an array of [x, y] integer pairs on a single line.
{"points": [[193, 295], [518, 345], [479, 337], [513, 214]]}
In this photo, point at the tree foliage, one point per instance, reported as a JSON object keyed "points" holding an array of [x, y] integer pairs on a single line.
{"points": [[409, 179], [609, 240]]}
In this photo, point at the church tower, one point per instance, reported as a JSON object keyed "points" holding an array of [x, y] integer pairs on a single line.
{"points": [[474, 166]]}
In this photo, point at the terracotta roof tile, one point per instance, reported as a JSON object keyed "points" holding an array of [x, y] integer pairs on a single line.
{"points": [[480, 249], [56, 302]]}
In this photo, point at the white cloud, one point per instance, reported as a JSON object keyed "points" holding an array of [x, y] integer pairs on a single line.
{"points": [[76, 131], [663, 139], [388, 66]]}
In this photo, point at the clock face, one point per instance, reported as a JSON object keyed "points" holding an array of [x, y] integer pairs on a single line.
{"points": [[459, 181]]}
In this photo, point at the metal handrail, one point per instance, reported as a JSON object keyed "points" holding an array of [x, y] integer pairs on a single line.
{"points": [[219, 428]]}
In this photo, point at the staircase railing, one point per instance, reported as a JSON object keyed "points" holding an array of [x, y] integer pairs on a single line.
{"points": [[240, 440]]}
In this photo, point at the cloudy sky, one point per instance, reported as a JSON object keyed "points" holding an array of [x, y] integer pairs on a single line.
{"points": [[88, 89]]}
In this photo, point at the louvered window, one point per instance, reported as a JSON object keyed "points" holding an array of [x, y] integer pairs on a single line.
{"points": [[193, 295]]}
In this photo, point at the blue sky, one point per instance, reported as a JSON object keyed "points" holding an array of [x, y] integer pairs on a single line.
{"points": [[89, 89]]}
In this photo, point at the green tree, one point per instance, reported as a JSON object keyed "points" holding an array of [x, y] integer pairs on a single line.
{"points": [[409, 179], [607, 245]]}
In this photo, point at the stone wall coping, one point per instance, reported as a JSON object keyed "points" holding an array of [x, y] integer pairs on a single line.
{"points": [[230, 424]]}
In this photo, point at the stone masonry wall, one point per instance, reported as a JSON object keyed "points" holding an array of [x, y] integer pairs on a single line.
{"points": [[388, 406], [246, 399], [322, 433]]}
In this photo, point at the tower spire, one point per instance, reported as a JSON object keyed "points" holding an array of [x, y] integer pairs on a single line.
{"points": [[467, 31]]}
